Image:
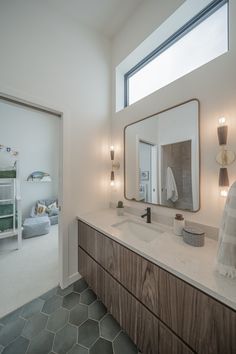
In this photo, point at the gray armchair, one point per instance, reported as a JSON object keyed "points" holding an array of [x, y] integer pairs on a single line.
{"points": [[53, 215]]}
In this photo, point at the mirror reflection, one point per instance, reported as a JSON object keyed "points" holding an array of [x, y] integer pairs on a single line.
{"points": [[162, 158]]}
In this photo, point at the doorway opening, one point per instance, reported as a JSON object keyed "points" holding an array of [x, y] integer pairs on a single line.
{"points": [[30, 201], [148, 191]]}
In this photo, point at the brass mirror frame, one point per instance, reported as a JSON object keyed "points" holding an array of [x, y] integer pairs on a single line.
{"points": [[199, 151]]}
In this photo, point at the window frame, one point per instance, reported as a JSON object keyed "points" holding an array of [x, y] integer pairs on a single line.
{"points": [[181, 32]]}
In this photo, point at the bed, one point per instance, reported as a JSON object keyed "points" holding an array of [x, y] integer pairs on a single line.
{"points": [[7, 199], [10, 199]]}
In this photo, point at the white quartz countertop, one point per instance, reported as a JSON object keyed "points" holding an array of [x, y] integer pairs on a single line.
{"points": [[195, 265]]}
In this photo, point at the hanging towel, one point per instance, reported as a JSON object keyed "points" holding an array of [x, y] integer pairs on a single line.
{"points": [[171, 188], [226, 256]]}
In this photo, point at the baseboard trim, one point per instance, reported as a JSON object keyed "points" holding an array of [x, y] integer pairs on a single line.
{"points": [[70, 280]]}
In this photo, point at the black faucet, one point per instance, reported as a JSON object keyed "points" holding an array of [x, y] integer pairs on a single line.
{"points": [[148, 215]]}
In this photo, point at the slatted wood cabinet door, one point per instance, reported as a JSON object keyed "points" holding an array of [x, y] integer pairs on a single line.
{"points": [[141, 325], [138, 322], [205, 324], [143, 296], [137, 274], [140, 277]]}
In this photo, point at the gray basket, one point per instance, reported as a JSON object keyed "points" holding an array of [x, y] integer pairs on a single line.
{"points": [[193, 236]]}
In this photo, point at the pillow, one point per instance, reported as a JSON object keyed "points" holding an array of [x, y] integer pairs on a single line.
{"points": [[53, 212], [52, 205], [52, 209], [40, 209]]}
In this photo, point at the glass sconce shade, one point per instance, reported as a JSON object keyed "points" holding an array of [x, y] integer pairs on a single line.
{"points": [[223, 177], [112, 153], [224, 192], [114, 165], [222, 134]]}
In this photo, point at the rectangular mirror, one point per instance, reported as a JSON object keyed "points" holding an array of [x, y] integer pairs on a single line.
{"points": [[162, 158]]}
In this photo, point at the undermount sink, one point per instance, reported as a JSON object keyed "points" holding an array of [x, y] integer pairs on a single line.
{"points": [[142, 232]]}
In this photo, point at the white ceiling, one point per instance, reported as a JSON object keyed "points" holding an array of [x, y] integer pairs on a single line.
{"points": [[106, 16]]}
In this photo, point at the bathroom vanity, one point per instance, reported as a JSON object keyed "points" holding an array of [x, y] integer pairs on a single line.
{"points": [[164, 308]]}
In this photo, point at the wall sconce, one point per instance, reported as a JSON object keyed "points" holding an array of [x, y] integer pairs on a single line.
{"points": [[114, 165], [222, 131], [224, 157]]}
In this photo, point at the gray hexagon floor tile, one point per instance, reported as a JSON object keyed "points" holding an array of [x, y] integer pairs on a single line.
{"points": [[109, 327], [19, 346], [66, 291], [49, 294], [58, 319], [11, 331], [42, 343], [78, 314], [71, 300], [77, 349], [11, 317], [68, 321], [65, 339], [80, 286], [52, 304], [34, 325], [124, 345], [97, 310], [102, 346], [88, 333], [32, 308], [87, 297]]}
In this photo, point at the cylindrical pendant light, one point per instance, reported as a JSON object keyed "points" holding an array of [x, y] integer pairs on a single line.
{"points": [[222, 135], [112, 153], [223, 177], [112, 178], [222, 131]]}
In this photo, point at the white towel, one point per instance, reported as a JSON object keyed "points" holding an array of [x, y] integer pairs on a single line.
{"points": [[226, 256], [171, 188]]}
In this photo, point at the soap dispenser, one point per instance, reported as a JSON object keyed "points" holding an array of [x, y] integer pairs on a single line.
{"points": [[179, 224], [120, 208]]}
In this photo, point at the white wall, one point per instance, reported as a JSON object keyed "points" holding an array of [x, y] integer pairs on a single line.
{"points": [[51, 60], [214, 84], [36, 136]]}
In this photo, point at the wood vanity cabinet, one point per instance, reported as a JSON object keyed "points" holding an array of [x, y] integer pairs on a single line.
{"points": [[161, 313]]}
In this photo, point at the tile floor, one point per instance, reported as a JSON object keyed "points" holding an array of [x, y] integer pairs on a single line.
{"points": [[65, 321]]}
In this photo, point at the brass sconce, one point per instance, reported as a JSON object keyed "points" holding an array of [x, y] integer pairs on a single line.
{"points": [[114, 165], [224, 157]]}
